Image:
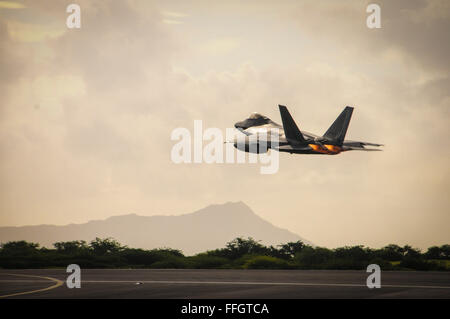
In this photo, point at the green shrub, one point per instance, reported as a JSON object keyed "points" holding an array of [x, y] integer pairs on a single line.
{"points": [[418, 264], [171, 263], [310, 257], [266, 262], [205, 261]]}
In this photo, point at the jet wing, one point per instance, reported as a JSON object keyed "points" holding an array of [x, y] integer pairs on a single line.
{"points": [[290, 148]]}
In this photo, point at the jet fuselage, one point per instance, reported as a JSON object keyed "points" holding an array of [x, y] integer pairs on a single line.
{"points": [[294, 141]]}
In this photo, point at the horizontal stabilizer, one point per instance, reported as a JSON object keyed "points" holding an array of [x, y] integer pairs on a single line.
{"points": [[363, 149], [358, 144], [371, 144]]}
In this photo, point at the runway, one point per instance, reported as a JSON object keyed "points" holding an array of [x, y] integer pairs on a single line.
{"points": [[228, 284]]}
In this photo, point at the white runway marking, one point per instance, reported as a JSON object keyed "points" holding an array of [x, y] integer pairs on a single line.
{"points": [[244, 283], [261, 283]]}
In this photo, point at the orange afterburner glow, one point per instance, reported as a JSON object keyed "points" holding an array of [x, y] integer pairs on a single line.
{"points": [[333, 149], [329, 149]]}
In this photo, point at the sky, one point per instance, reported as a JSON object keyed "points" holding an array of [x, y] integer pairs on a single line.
{"points": [[86, 114]]}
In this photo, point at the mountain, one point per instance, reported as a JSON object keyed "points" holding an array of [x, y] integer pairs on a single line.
{"points": [[208, 228]]}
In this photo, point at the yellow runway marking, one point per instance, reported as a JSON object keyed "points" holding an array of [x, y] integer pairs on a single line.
{"points": [[56, 285]]}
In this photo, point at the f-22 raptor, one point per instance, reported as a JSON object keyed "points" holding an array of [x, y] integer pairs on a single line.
{"points": [[294, 141]]}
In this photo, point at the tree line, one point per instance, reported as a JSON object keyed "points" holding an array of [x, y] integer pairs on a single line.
{"points": [[240, 253]]}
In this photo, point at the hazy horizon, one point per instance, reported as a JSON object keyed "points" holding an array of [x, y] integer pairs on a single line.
{"points": [[206, 229], [86, 114]]}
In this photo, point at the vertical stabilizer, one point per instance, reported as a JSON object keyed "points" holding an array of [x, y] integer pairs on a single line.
{"points": [[291, 130], [336, 132]]}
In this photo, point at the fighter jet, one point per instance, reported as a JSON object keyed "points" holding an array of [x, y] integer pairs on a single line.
{"points": [[294, 141]]}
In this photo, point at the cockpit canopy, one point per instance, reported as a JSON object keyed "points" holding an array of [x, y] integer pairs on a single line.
{"points": [[255, 116], [255, 119]]}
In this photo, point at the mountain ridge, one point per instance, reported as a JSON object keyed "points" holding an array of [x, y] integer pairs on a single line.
{"points": [[205, 229]]}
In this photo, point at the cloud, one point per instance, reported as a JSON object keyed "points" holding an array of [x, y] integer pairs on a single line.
{"points": [[415, 29], [11, 5], [86, 115], [168, 21], [220, 45], [174, 14], [23, 32], [173, 17]]}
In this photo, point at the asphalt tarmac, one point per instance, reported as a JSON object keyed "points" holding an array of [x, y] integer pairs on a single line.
{"points": [[212, 284]]}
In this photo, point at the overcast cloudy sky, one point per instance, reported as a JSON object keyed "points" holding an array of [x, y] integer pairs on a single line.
{"points": [[86, 114]]}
